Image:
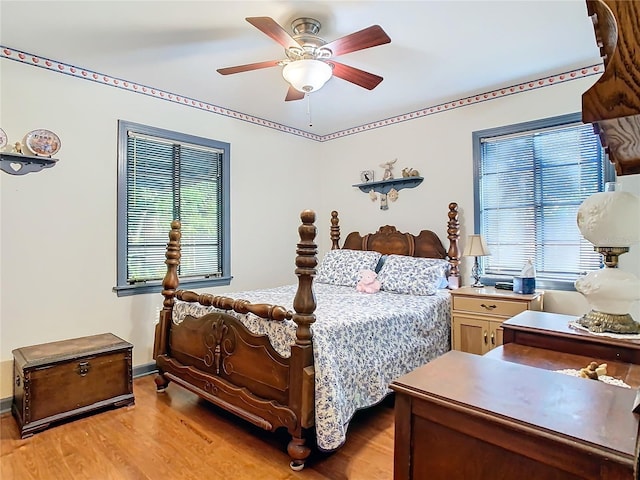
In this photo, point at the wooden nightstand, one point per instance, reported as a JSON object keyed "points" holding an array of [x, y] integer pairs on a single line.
{"points": [[477, 315]]}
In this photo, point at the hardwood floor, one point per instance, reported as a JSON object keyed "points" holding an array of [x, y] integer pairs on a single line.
{"points": [[176, 436]]}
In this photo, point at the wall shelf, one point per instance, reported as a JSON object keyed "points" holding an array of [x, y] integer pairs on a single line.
{"points": [[18, 164], [385, 186]]}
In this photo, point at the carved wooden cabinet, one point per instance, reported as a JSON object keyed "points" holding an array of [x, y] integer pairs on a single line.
{"points": [[612, 104], [477, 315]]}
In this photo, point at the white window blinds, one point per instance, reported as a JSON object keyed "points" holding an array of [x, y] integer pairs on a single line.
{"points": [[530, 186]]}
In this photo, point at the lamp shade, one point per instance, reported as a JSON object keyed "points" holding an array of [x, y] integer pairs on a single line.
{"points": [[307, 75], [475, 247]]}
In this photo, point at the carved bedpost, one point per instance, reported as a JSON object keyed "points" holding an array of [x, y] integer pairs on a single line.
{"points": [[335, 231], [453, 234], [169, 286], [304, 303]]}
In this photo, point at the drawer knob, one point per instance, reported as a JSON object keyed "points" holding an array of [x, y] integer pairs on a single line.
{"points": [[485, 337], [488, 307], [83, 368]]}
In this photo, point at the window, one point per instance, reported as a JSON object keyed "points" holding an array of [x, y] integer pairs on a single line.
{"points": [[162, 176], [530, 180]]}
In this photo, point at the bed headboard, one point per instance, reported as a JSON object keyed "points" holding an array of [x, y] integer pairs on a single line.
{"points": [[388, 240]]}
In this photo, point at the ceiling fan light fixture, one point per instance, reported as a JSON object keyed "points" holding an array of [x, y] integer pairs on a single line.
{"points": [[307, 75]]}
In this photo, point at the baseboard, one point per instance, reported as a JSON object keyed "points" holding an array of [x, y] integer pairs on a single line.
{"points": [[146, 369], [5, 405], [139, 371]]}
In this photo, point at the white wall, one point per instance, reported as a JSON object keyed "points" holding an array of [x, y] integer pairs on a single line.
{"points": [[58, 237], [58, 250], [440, 147]]}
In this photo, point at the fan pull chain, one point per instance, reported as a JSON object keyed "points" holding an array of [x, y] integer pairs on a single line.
{"points": [[309, 109]]}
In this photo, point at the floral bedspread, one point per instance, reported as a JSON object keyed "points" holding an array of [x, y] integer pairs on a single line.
{"points": [[361, 342]]}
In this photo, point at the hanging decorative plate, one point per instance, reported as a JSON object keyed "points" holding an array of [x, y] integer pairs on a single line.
{"points": [[42, 142], [3, 138]]}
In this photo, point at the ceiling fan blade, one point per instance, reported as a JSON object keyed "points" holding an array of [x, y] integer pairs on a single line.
{"points": [[367, 38], [355, 75], [248, 67], [268, 26], [293, 94]]}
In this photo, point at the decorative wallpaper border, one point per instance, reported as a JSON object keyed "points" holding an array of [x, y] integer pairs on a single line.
{"points": [[85, 74]]}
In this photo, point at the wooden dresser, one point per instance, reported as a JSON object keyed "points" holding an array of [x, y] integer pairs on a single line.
{"points": [[464, 416], [545, 340], [551, 331], [477, 315]]}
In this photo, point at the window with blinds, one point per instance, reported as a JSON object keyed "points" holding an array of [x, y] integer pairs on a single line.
{"points": [[530, 180], [171, 176]]}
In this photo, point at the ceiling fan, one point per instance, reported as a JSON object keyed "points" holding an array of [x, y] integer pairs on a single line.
{"points": [[309, 63]]}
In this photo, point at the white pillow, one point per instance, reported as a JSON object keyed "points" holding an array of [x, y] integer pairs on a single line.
{"points": [[412, 275], [343, 267]]}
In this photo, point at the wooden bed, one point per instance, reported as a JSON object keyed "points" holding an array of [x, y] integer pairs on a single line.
{"points": [[215, 356]]}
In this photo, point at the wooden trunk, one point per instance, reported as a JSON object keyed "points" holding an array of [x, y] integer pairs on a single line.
{"points": [[58, 380]]}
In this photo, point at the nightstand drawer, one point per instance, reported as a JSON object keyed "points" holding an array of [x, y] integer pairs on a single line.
{"points": [[489, 306]]}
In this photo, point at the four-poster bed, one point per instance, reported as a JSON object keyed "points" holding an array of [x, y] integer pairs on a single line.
{"points": [[283, 357]]}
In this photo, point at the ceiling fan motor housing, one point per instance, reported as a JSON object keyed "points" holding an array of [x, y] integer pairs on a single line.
{"points": [[305, 31]]}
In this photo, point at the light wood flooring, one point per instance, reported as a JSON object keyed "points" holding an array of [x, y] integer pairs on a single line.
{"points": [[176, 436]]}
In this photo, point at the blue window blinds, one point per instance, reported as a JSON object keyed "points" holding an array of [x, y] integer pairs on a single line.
{"points": [[172, 177], [529, 186]]}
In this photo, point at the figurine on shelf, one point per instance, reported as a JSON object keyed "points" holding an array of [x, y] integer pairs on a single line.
{"points": [[410, 172], [388, 166], [17, 148], [383, 202]]}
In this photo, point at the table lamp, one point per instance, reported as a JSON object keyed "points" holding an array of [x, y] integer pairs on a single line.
{"points": [[475, 247], [609, 220]]}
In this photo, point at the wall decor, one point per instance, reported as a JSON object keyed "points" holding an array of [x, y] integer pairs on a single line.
{"points": [[388, 188], [410, 172], [42, 142], [3, 139], [366, 176], [388, 166], [31, 155]]}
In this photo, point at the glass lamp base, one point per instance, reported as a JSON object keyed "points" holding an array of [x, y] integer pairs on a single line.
{"points": [[475, 274], [599, 322]]}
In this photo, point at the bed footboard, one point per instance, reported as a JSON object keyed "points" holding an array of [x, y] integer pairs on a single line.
{"points": [[216, 357]]}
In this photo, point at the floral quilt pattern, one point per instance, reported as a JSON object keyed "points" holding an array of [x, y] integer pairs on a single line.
{"points": [[361, 342]]}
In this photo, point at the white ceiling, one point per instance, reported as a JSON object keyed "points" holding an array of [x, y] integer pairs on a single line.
{"points": [[439, 51]]}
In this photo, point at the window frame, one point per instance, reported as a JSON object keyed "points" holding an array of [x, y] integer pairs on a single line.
{"points": [[123, 288], [519, 128]]}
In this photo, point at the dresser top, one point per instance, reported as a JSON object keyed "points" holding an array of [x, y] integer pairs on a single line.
{"points": [[572, 409], [557, 325]]}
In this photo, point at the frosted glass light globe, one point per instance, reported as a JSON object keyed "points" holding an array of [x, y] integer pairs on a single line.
{"points": [[610, 219]]}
